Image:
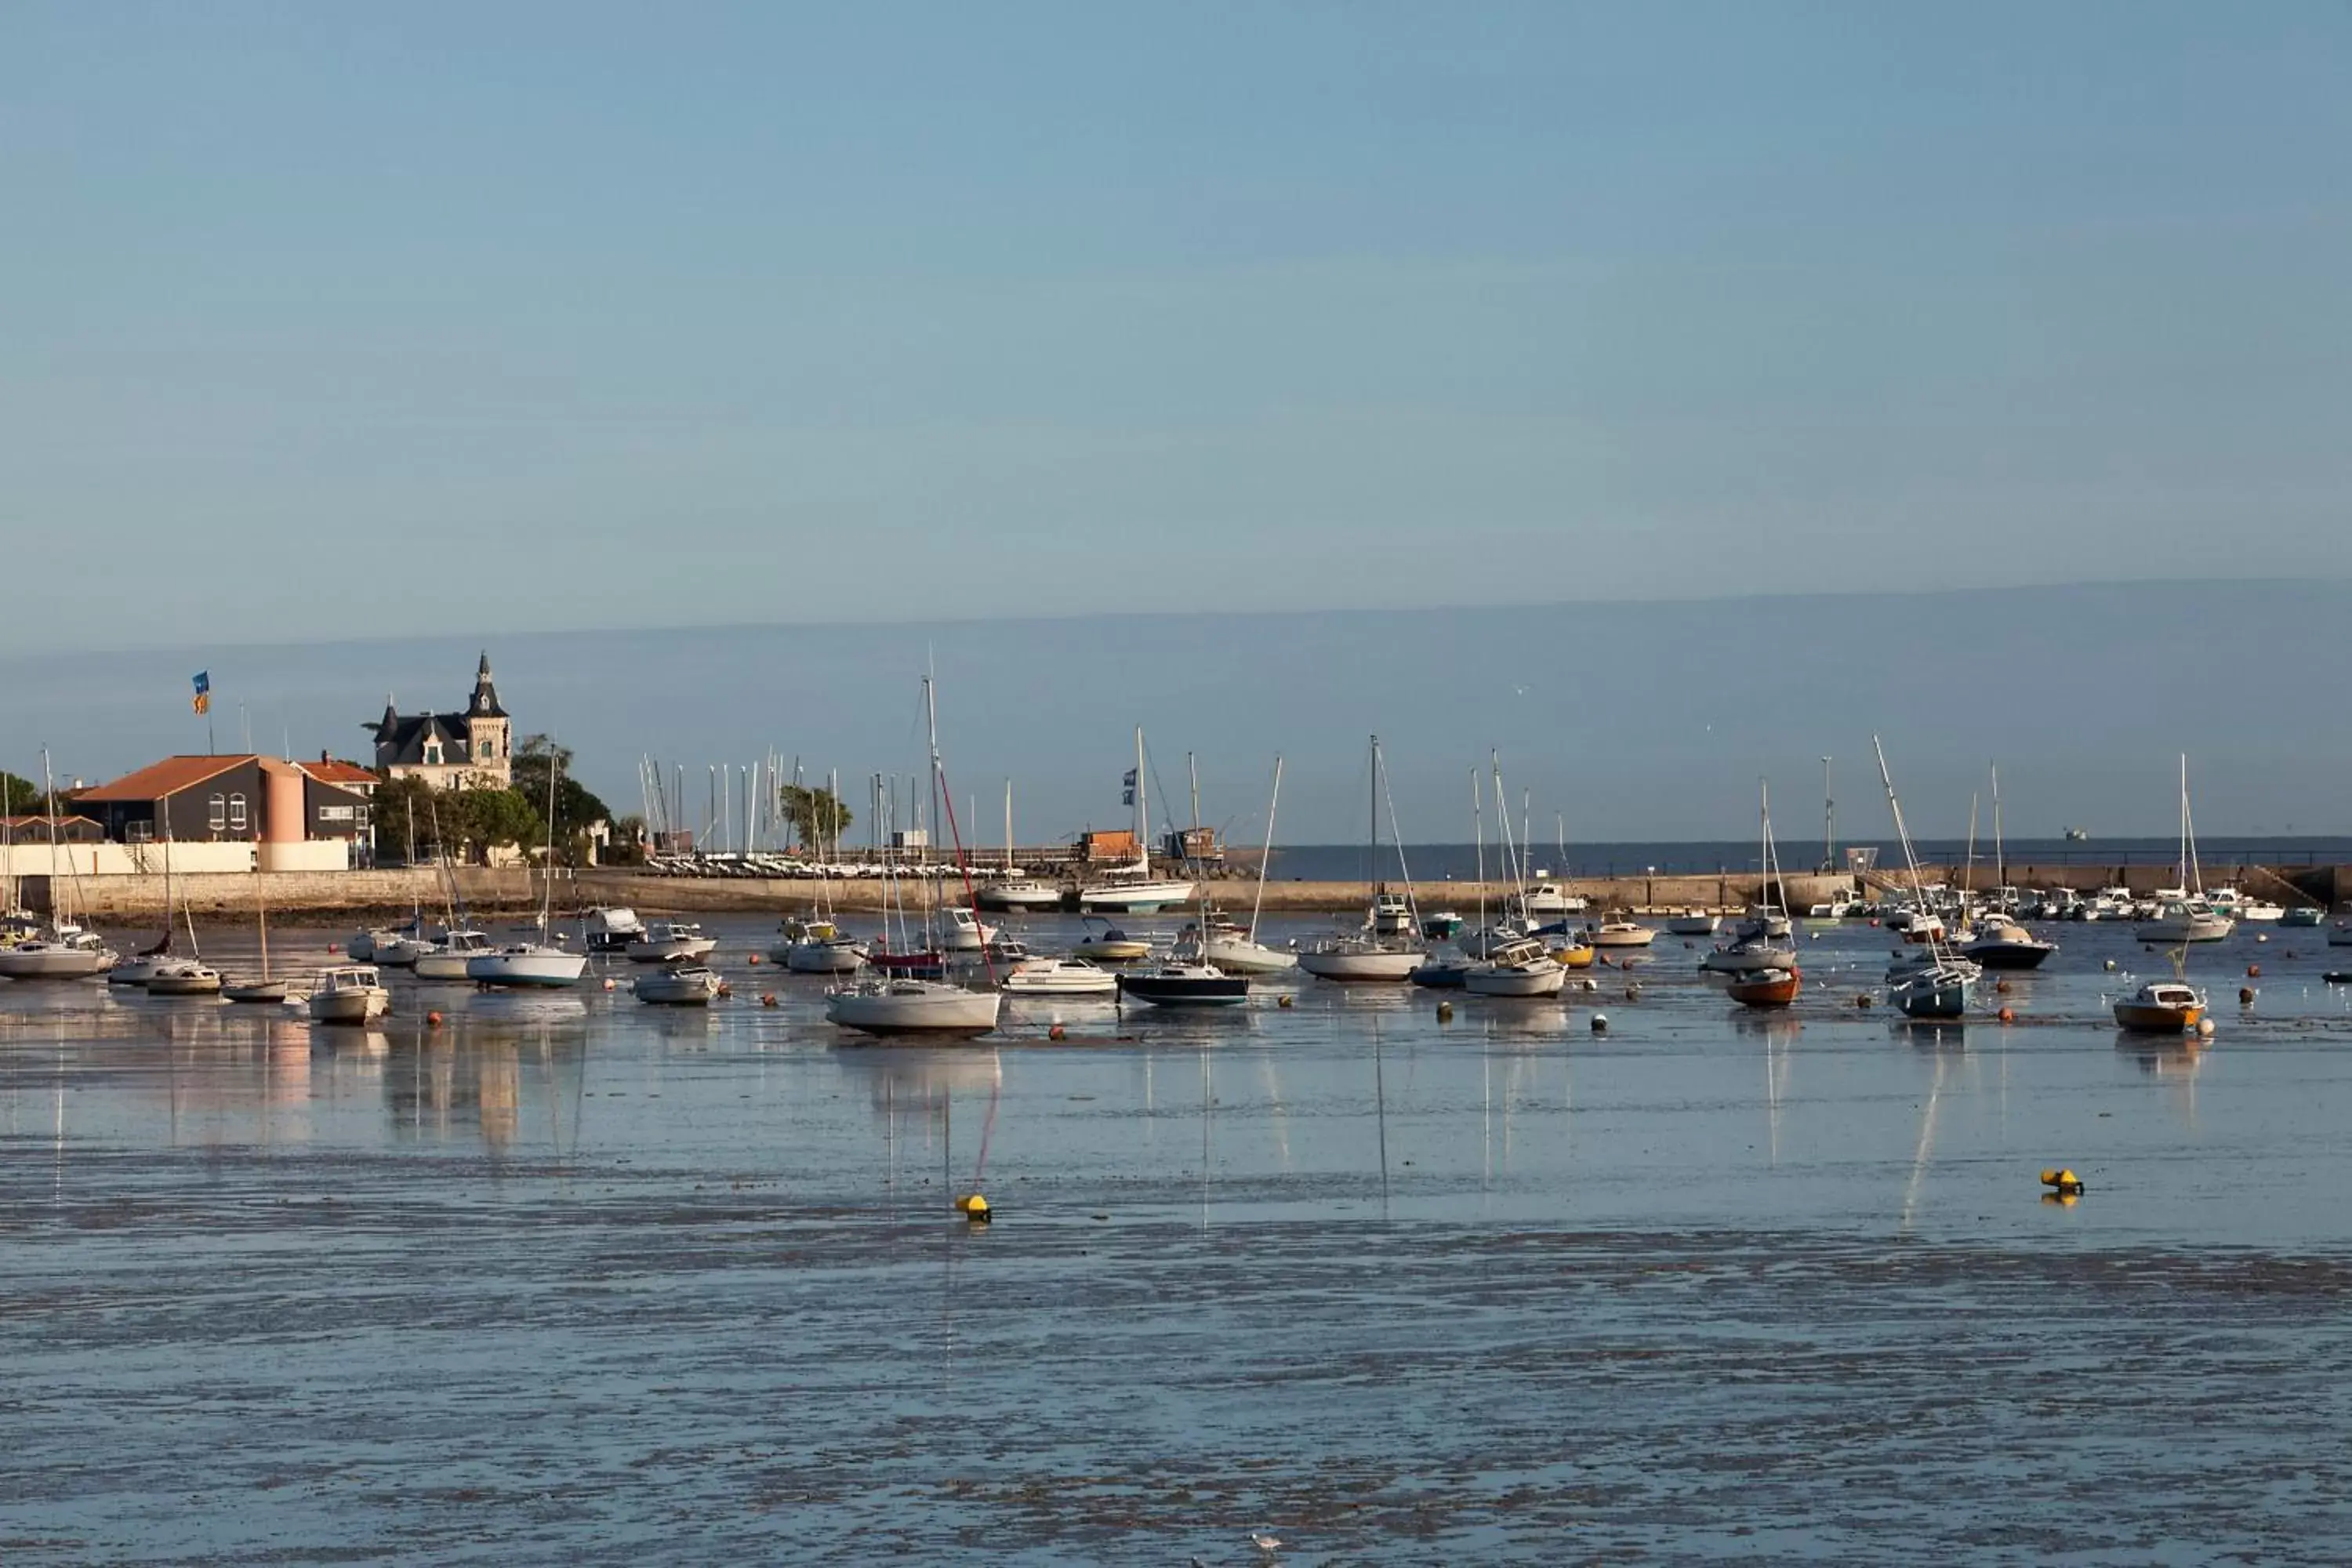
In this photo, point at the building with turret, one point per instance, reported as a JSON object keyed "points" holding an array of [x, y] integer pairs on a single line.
{"points": [[469, 750]]}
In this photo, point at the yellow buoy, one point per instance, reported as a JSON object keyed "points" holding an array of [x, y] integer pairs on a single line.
{"points": [[2063, 1180], [1284, 1000], [972, 1207], [1444, 1012]]}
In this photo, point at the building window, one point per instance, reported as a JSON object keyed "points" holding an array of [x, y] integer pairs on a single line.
{"points": [[139, 830], [218, 815], [432, 753], [237, 813], [360, 816]]}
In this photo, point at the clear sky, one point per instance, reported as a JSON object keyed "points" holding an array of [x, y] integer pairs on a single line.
{"points": [[459, 319]]}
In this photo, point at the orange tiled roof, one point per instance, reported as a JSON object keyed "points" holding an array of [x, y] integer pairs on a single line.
{"points": [[338, 772], [173, 775]]}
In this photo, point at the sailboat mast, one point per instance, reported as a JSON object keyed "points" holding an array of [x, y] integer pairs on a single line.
{"points": [[1968, 867], [1265, 855], [1828, 821], [1142, 810], [1479, 844], [1999, 851]]}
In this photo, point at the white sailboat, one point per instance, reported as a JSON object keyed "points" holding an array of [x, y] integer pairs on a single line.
{"points": [[1522, 966], [904, 1005], [538, 965], [1760, 939], [2185, 916], [1239, 952], [1368, 956], [1133, 889], [1015, 890], [61, 952]]}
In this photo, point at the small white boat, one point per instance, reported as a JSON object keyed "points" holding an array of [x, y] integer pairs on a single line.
{"points": [[908, 1007], [1104, 942], [2339, 934], [965, 932], [1620, 933], [361, 945], [185, 977], [450, 956], [80, 956], [1236, 953], [1547, 901], [1523, 968], [1133, 893], [679, 985], [349, 994], [1060, 977], [670, 942], [1014, 894], [1750, 956], [527, 965], [611, 927], [1694, 922], [136, 970], [402, 952], [2303, 916], [2184, 920], [1391, 915], [254, 991]]}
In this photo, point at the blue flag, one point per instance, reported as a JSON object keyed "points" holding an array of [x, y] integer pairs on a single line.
{"points": [[203, 684]]}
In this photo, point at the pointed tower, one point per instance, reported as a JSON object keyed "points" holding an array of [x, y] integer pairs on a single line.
{"points": [[489, 733]]}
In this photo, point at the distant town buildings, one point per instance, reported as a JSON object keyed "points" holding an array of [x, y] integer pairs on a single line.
{"points": [[469, 750]]}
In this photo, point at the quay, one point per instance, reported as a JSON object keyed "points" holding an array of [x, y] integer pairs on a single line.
{"points": [[294, 895]]}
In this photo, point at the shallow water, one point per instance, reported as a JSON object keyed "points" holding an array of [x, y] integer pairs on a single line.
{"points": [[569, 1278]]}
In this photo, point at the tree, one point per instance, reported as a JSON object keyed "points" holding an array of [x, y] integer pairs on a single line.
{"points": [[399, 802], [484, 819], [576, 806], [817, 815], [21, 797]]}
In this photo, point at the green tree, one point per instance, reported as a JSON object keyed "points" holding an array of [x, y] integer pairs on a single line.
{"points": [[484, 819], [817, 815], [399, 802], [20, 798], [576, 806]]}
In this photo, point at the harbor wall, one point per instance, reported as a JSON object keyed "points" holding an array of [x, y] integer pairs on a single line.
{"points": [[499, 890]]}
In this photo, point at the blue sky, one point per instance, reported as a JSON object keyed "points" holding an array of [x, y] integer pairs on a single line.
{"points": [[332, 322]]}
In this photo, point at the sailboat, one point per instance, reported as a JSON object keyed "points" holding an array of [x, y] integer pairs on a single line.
{"points": [[189, 976], [904, 1004], [2003, 944], [1523, 966], [1239, 952], [264, 989], [2187, 917], [537, 965], [1187, 978], [818, 946], [1015, 890], [1937, 986], [1368, 956], [1759, 941], [136, 970], [1132, 890], [61, 952]]}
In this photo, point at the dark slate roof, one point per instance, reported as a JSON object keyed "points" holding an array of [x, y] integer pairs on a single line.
{"points": [[485, 703], [400, 739]]}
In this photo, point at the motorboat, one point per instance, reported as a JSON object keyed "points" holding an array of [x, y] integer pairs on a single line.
{"points": [[965, 932], [2006, 946], [1521, 969], [1925, 928], [1547, 900], [1620, 933], [1060, 977], [78, 956], [1437, 973], [349, 994], [900, 1005], [817, 947], [527, 965], [185, 977], [1767, 988], [1391, 915], [1014, 894], [1750, 955], [2161, 1007], [1103, 943], [2340, 934], [1443, 925], [670, 942], [136, 970], [361, 945], [452, 953], [1484, 941], [1694, 922], [678, 985], [2303, 916], [1771, 924], [2239, 907], [1578, 953], [609, 928], [1353, 959], [2184, 920], [1177, 984]]}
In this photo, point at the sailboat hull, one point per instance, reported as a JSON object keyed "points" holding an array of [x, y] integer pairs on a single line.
{"points": [[1134, 898], [1240, 956], [1185, 990], [257, 991], [527, 968], [1351, 968], [42, 961]]}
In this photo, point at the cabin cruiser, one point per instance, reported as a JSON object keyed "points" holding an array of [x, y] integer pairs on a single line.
{"points": [[2303, 916], [610, 928], [1060, 977], [1441, 925], [1694, 922], [670, 942], [64, 955], [1391, 915], [1178, 984], [899, 1005], [452, 953], [527, 965], [2003, 945], [965, 932], [2162, 1007], [817, 947], [1620, 933], [1013, 894], [349, 994], [1549, 900], [1523, 968], [2184, 920]]}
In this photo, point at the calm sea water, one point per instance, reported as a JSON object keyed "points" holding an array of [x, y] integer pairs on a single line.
{"points": [[570, 1279], [1440, 862]]}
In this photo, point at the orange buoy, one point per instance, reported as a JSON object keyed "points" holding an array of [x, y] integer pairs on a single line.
{"points": [[434, 1019], [2006, 1016], [755, 960], [2253, 972], [725, 989], [2001, 986], [1057, 1033], [331, 947], [768, 999]]}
